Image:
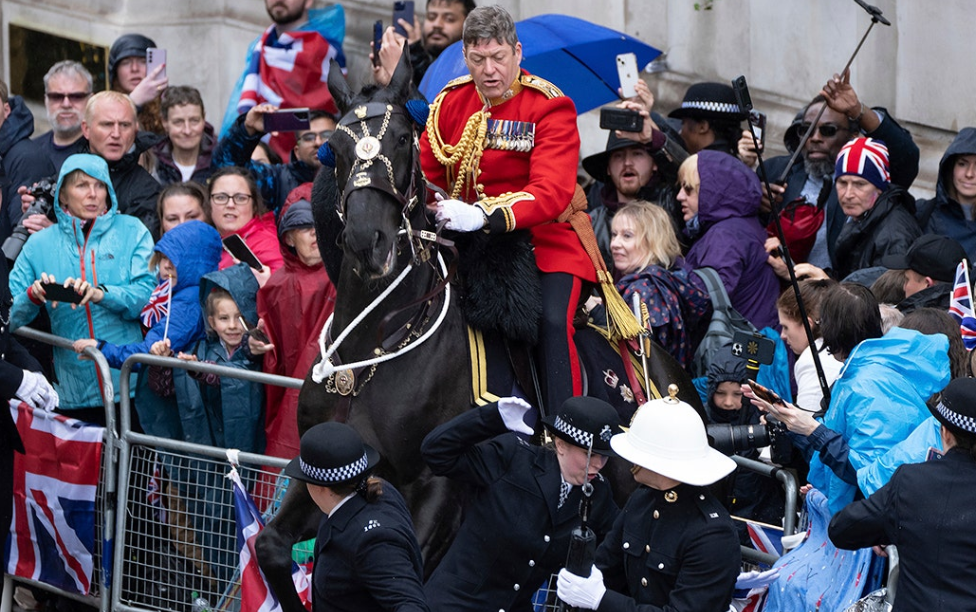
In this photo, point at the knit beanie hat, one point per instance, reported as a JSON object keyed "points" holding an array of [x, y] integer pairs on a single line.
{"points": [[866, 158]]}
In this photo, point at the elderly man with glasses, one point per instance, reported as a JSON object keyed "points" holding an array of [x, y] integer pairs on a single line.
{"points": [[275, 181], [810, 180], [67, 87]]}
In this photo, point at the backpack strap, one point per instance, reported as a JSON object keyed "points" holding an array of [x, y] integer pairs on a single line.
{"points": [[716, 290]]}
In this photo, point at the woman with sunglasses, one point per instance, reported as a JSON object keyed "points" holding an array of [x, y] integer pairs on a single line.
{"points": [[234, 206]]}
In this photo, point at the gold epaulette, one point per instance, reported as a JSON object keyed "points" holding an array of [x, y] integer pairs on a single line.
{"points": [[461, 80], [539, 84]]}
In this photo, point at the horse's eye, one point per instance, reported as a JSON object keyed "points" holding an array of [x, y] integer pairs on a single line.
{"points": [[404, 139]]}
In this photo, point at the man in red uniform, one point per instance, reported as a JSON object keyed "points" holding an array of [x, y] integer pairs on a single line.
{"points": [[504, 145]]}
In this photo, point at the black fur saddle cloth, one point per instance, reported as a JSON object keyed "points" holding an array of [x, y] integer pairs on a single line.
{"points": [[501, 291]]}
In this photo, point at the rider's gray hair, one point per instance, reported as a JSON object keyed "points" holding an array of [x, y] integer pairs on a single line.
{"points": [[488, 23]]}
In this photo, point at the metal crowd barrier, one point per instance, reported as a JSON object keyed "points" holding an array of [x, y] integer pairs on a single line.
{"points": [[790, 490], [105, 494], [178, 532]]}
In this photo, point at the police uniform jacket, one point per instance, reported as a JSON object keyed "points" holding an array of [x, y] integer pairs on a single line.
{"points": [[679, 556], [14, 359], [367, 558], [527, 173], [927, 510], [513, 536]]}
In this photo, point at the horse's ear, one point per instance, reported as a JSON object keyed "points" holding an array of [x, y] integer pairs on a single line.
{"points": [[338, 87], [402, 76]]}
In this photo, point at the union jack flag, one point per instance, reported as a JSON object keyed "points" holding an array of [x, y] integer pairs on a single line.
{"points": [[256, 595], [154, 493], [52, 537], [961, 305], [856, 154], [158, 305]]}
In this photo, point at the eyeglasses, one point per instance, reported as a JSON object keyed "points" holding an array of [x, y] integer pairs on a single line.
{"points": [[224, 199], [827, 130], [309, 137], [55, 97]]}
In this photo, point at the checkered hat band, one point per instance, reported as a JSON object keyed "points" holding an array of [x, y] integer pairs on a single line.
{"points": [[582, 438], [339, 474], [964, 423], [707, 105]]}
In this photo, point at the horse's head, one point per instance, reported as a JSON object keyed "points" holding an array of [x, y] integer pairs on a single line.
{"points": [[377, 171]]}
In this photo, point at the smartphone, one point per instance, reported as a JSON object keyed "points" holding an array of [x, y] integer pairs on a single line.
{"points": [[628, 73], [765, 393], [621, 119], [402, 10], [256, 333], [758, 121], [741, 90], [236, 246], [54, 292], [286, 120], [154, 58], [377, 41]]}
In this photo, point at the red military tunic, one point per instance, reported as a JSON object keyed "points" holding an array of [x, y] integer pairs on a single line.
{"points": [[518, 189]]}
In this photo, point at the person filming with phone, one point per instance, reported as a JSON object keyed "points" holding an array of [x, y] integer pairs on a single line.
{"points": [[91, 272]]}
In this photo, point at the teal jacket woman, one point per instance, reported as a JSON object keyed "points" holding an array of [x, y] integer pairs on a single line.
{"points": [[111, 252]]}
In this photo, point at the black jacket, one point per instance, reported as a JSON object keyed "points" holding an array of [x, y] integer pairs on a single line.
{"points": [[903, 158], [680, 556], [367, 558], [135, 188], [936, 296], [22, 160], [926, 510], [513, 536], [942, 215], [14, 359], [275, 181], [888, 228]]}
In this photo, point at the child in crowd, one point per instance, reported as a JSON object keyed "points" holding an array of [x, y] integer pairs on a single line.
{"points": [[171, 319], [223, 411], [747, 494]]}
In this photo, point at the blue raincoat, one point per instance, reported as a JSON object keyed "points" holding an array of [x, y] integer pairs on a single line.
{"points": [[114, 255], [879, 399]]}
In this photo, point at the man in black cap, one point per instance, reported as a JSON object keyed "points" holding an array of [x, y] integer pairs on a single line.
{"points": [[366, 553], [926, 511], [525, 502], [710, 118], [930, 269]]}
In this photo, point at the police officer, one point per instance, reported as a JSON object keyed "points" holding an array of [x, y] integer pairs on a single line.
{"points": [[20, 378], [366, 553], [673, 547], [516, 529]]}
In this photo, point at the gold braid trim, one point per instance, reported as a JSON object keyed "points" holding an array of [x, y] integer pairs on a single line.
{"points": [[466, 154], [620, 319]]}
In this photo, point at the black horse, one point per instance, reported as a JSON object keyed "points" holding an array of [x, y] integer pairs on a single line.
{"points": [[373, 204]]}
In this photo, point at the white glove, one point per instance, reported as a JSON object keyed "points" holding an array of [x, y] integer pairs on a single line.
{"points": [[460, 216], [580, 592], [512, 410], [36, 392]]}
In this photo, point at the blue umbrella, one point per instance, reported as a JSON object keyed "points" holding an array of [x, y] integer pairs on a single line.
{"points": [[579, 57]]}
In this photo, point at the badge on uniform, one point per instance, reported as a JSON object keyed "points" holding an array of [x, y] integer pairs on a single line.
{"points": [[510, 135], [372, 524]]}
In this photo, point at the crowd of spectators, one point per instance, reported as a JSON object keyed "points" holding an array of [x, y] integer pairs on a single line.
{"points": [[139, 165]]}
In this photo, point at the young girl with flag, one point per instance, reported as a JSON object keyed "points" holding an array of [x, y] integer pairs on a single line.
{"points": [[171, 319]]}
